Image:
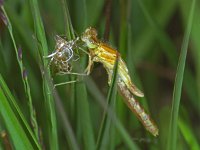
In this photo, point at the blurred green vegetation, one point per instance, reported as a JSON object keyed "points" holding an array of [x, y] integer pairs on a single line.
{"points": [[150, 35]]}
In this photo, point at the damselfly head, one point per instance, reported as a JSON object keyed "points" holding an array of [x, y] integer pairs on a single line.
{"points": [[90, 37]]}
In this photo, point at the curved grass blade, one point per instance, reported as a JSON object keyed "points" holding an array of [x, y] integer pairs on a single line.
{"points": [[147, 37], [68, 23], [184, 7], [188, 134], [104, 137], [69, 32], [12, 102], [99, 98], [82, 105], [23, 31], [172, 138], [79, 89], [23, 76], [65, 122], [43, 51], [84, 116], [170, 50], [16, 132]]}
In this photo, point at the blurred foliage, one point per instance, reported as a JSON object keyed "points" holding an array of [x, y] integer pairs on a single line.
{"points": [[150, 37]]}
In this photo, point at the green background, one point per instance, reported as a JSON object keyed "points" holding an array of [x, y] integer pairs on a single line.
{"points": [[153, 38]]}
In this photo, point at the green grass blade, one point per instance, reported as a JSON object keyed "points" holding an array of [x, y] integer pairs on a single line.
{"points": [[184, 7], [68, 23], [120, 128], [105, 130], [82, 105], [170, 50], [172, 138], [146, 38], [188, 134], [83, 111], [73, 144], [23, 31], [13, 102], [43, 51], [16, 132], [23, 76]]}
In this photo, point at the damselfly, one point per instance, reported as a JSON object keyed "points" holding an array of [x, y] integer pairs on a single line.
{"points": [[103, 53]]}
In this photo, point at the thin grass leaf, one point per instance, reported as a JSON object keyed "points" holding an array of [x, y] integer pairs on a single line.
{"points": [[147, 37], [71, 35], [12, 102], [83, 111], [100, 99], [184, 7], [161, 35], [85, 125], [172, 138], [65, 122], [23, 76], [69, 32], [122, 48], [188, 134], [104, 133], [43, 51], [16, 132], [68, 23], [23, 31], [82, 105], [170, 50]]}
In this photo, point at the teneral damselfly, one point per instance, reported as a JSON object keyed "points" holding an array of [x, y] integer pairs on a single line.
{"points": [[103, 53]]}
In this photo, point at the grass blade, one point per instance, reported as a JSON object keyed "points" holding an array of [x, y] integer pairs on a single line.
{"points": [[43, 51], [172, 138], [148, 36], [187, 133], [99, 98], [14, 104], [23, 76], [185, 6], [16, 132], [68, 23], [82, 105], [170, 50], [84, 116], [106, 127]]}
